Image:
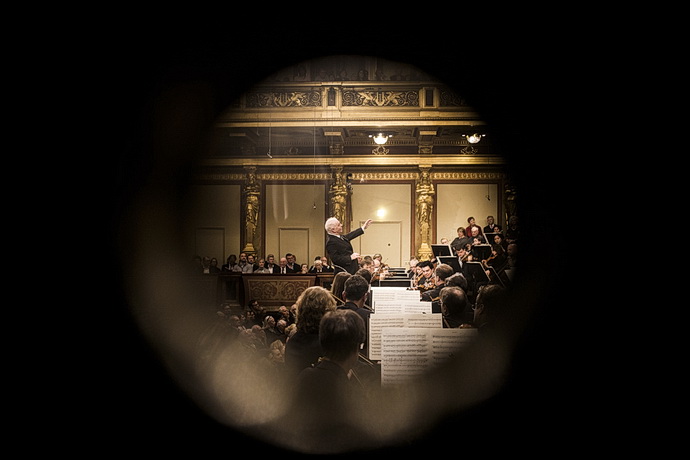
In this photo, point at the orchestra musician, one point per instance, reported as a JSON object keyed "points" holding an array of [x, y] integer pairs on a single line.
{"points": [[425, 281]]}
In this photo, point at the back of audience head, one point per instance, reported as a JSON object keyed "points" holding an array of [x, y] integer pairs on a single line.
{"points": [[312, 304], [339, 284], [364, 273], [341, 333], [356, 287]]}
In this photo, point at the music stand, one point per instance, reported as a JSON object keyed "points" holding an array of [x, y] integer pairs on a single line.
{"points": [[500, 278], [452, 261], [490, 237], [442, 250], [476, 271], [481, 251]]}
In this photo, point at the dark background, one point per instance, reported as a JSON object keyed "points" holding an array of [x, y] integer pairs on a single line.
{"points": [[522, 88]]}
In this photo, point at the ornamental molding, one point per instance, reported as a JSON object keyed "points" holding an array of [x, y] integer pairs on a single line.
{"points": [[356, 176]]}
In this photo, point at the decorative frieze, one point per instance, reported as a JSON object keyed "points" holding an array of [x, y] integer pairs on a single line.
{"points": [[368, 98], [308, 97]]}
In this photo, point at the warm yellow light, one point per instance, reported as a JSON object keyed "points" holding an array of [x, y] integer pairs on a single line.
{"points": [[474, 138], [381, 212], [380, 138]]}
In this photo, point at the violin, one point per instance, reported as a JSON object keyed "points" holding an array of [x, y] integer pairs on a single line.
{"points": [[486, 261]]}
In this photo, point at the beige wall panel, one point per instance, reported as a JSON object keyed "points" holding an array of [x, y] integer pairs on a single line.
{"points": [[289, 206], [390, 205], [296, 241], [214, 206], [210, 242], [456, 202]]}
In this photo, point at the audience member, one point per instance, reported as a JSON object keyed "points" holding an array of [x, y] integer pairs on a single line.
{"points": [[328, 393], [271, 264], [355, 295], [292, 266], [260, 341], [328, 268], [302, 349], [338, 286], [472, 223], [274, 361], [364, 273], [231, 264], [213, 268], [317, 267], [282, 266], [282, 329], [461, 241], [512, 231], [205, 265], [261, 266], [286, 314], [243, 261], [196, 265], [271, 329], [258, 312], [304, 269], [250, 266], [491, 226]]}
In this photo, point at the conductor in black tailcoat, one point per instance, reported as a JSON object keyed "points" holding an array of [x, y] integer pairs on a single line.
{"points": [[339, 248]]}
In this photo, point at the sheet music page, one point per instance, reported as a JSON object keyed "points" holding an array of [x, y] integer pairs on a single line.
{"points": [[377, 321], [424, 320], [408, 352], [386, 293], [417, 307], [392, 293], [389, 307], [445, 343], [405, 353]]}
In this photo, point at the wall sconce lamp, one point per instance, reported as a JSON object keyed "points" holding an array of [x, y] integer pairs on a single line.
{"points": [[473, 138], [380, 138]]}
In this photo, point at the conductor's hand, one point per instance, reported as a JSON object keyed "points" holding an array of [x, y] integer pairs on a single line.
{"points": [[366, 224], [354, 256]]}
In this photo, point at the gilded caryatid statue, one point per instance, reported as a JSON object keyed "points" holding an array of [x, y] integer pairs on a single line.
{"points": [[425, 210], [252, 207], [338, 193]]}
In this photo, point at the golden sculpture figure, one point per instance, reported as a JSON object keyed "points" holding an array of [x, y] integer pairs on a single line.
{"points": [[252, 206], [338, 193], [425, 209]]}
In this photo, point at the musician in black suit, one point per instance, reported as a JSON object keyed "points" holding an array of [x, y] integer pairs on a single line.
{"points": [[339, 248]]}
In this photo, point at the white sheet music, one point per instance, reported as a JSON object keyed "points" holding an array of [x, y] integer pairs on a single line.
{"points": [[408, 352], [402, 306], [377, 321], [391, 294]]}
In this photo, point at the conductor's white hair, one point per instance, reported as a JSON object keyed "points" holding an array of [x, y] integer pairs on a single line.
{"points": [[331, 222]]}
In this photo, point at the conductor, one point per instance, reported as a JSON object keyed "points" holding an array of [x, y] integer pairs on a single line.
{"points": [[339, 248]]}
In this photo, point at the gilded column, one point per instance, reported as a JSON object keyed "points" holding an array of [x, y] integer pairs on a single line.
{"points": [[252, 208], [338, 196], [425, 210]]}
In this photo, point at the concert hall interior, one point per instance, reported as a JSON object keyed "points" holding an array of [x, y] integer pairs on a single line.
{"points": [[230, 153]]}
